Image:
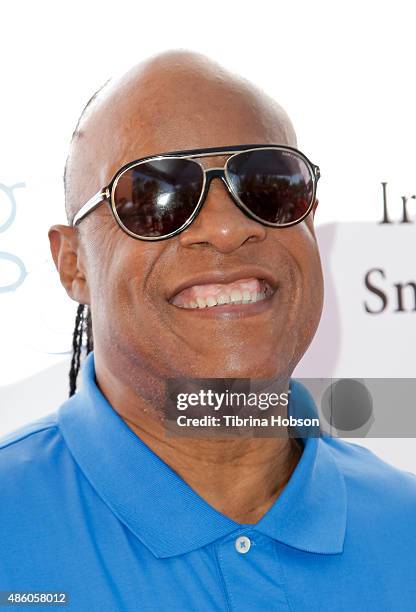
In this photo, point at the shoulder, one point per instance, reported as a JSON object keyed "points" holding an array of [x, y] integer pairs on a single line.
{"points": [[29, 456], [374, 486], [29, 436], [45, 422]]}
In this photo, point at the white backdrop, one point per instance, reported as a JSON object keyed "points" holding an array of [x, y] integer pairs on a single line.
{"points": [[344, 73]]}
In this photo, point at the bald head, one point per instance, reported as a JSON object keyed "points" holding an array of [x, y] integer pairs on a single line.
{"points": [[168, 102]]}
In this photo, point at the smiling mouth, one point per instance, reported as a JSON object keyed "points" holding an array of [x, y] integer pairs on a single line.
{"points": [[242, 291]]}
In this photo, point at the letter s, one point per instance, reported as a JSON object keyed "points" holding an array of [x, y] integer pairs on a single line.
{"points": [[373, 289]]}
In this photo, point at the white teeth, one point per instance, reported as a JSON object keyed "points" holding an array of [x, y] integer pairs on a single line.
{"points": [[236, 296]]}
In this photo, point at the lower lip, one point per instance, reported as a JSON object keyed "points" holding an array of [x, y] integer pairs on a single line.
{"points": [[230, 311]]}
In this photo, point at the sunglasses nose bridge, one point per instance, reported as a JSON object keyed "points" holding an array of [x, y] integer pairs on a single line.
{"points": [[214, 173]]}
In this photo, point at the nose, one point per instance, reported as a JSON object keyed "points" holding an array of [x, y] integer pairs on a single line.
{"points": [[220, 223]]}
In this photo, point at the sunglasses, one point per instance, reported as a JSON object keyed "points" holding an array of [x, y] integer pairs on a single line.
{"points": [[159, 196]]}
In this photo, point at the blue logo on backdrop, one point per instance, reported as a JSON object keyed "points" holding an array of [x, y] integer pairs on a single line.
{"points": [[14, 259]]}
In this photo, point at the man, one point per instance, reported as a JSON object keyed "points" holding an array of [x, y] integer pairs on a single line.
{"points": [[97, 500]]}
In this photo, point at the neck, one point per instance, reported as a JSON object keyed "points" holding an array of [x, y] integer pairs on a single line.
{"points": [[240, 477]]}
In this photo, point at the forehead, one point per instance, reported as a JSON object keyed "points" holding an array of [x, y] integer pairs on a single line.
{"points": [[138, 136], [161, 111]]}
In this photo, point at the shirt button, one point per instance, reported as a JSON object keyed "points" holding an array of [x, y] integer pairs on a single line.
{"points": [[242, 545]]}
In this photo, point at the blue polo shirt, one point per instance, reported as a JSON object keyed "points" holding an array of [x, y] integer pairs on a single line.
{"points": [[88, 509]]}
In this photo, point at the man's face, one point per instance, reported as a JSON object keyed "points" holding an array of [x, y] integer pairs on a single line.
{"points": [[132, 283]]}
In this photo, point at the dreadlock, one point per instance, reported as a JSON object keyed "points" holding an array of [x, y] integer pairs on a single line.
{"points": [[82, 338]]}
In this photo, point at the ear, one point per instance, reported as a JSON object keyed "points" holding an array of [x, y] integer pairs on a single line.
{"points": [[66, 254]]}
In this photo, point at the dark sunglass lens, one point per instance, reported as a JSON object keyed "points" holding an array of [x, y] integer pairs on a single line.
{"points": [[275, 185], [157, 197]]}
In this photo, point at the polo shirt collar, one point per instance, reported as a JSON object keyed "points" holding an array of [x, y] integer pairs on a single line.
{"points": [[165, 513], [311, 512]]}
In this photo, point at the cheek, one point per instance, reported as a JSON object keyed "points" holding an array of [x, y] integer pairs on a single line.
{"points": [[118, 272], [305, 251]]}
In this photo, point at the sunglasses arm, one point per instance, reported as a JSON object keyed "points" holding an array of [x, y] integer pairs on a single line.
{"points": [[91, 205]]}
